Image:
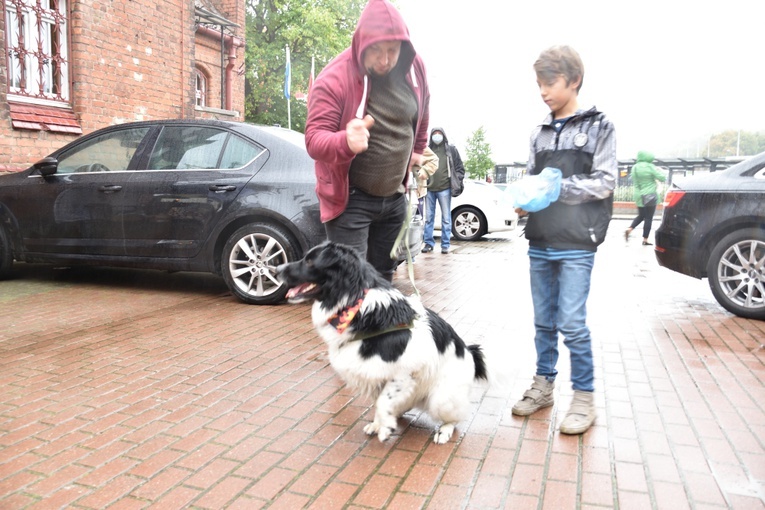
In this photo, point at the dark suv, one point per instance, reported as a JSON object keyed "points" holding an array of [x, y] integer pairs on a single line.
{"points": [[713, 227]]}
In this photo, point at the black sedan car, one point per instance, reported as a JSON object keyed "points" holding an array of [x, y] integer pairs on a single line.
{"points": [[228, 198], [713, 227]]}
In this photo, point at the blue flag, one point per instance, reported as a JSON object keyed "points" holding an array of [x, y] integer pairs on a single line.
{"points": [[287, 75]]}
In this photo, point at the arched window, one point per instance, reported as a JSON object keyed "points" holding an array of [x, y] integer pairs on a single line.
{"points": [[200, 88]]}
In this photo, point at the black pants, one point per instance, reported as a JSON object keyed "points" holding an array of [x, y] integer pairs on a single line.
{"points": [[370, 225], [645, 214]]}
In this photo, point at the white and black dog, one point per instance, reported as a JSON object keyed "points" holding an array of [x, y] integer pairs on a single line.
{"points": [[383, 344]]}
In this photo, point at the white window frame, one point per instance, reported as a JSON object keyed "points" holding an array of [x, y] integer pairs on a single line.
{"points": [[200, 88], [37, 45]]}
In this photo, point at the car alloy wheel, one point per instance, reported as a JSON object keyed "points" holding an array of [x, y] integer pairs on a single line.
{"points": [[468, 224], [249, 262], [736, 272]]}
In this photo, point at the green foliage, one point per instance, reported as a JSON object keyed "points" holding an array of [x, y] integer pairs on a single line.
{"points": [[478, 161], [318, 28], [624, 193], [725, 144]]}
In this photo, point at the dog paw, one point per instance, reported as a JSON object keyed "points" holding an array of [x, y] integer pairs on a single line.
{"points": [[443, 434], [371, 429], [384, 433]]}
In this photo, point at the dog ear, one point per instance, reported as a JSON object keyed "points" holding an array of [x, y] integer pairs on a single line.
{"points": [[329, 256]]}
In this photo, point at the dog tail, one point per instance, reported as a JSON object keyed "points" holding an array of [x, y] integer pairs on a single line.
{"points": [[481, 371], [490, 367]]}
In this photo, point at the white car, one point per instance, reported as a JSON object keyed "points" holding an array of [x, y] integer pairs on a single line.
{"points": [[480, 209]]}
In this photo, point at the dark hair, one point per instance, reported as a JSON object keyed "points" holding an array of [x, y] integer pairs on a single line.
{"points": [[560, 60]]}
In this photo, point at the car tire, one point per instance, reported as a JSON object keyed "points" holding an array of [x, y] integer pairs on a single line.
{"points": [[468, 224], [736, 279], [6, 254], [249, 260]]}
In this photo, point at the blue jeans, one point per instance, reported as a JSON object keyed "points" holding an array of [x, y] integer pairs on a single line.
{"points": [[370, 224], [559, 290], [445, 203]]}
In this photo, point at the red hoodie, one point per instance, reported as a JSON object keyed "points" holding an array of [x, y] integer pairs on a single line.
{"points": [[340, 93]]}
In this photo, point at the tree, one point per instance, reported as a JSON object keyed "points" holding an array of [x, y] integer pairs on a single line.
{"points": [[478, 162], [728, 143], [311, 28]]}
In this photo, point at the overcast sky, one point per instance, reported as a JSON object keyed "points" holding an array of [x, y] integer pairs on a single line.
{"points": [[667, 73]]}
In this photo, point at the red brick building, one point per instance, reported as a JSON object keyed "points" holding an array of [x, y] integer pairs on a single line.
{"points": [[69, 67]]}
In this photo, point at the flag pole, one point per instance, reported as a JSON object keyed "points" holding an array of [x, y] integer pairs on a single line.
{"points": [[287, 79], [310, 81]]}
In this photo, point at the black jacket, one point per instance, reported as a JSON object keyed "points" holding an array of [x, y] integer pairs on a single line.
{"points": [[585, 152], [452, 173]]}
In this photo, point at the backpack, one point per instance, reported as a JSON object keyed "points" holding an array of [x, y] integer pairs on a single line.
{"points": [[456, 172]]}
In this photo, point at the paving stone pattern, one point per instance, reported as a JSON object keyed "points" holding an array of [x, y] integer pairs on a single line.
{"points": [[129, 389]]}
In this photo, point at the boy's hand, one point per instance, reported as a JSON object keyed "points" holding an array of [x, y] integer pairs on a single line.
{"points": [[521, 212], [357, 134]]}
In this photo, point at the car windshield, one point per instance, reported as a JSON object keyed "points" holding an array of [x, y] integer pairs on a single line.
{"points": [[750, 166]]}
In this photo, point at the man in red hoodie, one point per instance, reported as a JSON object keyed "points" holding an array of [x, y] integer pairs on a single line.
{"points": [[367, 125]]}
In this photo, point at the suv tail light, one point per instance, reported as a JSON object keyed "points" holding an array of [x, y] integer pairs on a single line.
{"points": [[672, 198]]}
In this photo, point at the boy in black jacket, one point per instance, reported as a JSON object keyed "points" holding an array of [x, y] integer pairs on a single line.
{"points": [[564, 237]]}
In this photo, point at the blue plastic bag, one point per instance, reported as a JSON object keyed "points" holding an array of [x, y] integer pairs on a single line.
{"points": [[535, 192]]}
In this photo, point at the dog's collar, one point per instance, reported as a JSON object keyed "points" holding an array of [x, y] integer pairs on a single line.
{"points": [[343, 317]]}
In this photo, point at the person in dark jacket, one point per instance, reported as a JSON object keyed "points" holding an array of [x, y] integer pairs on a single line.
{"points": [[367, 125], [440, 189], [564, 237], [644, 178]]}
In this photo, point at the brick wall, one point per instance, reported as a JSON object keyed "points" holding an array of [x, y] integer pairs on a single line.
{"points": [[129, 61]]}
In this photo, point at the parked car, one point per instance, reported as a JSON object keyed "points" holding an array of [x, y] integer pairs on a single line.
{"points": [[228, 198], [479, 210], [713, 226]]}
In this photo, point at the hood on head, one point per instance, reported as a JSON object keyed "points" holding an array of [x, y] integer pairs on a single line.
{"points": [[645, 156], [430, 137], [381, 21]]}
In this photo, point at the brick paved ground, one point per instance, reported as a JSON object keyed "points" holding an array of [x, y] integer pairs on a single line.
{"points": [[131, 390]]}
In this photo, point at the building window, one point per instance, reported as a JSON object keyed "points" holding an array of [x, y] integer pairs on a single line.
{"points": [[201, 88], [37, 49]]}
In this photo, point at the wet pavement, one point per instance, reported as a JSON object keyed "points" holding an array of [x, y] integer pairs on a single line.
{"points": [[139, 389]]}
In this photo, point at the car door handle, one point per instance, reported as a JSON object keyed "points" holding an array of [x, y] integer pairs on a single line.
{"points": [[109, 188], [220, 188]]}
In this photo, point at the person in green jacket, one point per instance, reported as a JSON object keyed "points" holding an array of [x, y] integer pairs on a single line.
{"points": [[645, 175]]}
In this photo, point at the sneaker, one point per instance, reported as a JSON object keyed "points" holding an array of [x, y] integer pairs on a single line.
{"points": [[444, 250], [427, 248], [539, 396], [581, 414]]}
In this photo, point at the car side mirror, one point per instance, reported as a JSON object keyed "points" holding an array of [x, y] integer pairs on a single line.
{"points": [[46, 166]]}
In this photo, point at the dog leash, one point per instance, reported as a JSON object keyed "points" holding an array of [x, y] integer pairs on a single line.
{"points": [[403, 235]]}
